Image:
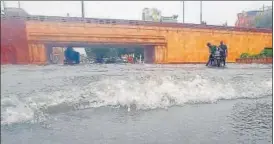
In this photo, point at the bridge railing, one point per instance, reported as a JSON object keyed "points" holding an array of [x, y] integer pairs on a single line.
{"points": [[131, 22]]}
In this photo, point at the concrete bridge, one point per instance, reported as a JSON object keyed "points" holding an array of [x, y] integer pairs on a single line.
{"points": [[29, 39]]}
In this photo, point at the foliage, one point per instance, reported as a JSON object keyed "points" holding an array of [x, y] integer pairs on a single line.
{"points": [[112, 52], [267, 52], [151, 14], [263, 19], [244, 55], [97, 52], [255, 56]]}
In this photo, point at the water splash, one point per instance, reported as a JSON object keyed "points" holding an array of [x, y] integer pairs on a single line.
{"points": [[144, 91]]}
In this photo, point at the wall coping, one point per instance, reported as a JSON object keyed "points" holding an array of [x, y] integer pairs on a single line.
{"points": [[131, 22]]}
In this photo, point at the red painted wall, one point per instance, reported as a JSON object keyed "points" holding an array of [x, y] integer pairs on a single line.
{"points": [[14, 45]]}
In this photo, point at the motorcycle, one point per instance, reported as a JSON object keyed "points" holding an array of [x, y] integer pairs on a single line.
{"points": [[217, 59]]}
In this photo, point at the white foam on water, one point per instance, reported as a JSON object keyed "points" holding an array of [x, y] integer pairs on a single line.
{"points": [[13, 111], [164, 92], [138, 92]]}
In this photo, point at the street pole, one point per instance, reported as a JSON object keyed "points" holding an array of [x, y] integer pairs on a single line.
{"points": [[201, 12], [4, 5], [83, 9], [19, 5], [183, 11]]}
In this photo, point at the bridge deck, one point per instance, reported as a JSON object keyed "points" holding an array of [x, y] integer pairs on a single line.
{"points": [[133, 22]]}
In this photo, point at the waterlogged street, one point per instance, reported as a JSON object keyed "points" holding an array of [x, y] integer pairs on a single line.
{"points": [[136, 104]]}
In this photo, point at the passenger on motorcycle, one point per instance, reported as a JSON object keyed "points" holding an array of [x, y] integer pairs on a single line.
{"points": [[223, 48]]}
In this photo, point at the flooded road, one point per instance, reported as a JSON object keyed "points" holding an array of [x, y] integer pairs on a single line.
{"points": [[136, 104]]}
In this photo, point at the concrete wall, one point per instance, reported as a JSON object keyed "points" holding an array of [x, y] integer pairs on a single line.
{"points": [[180, 45], [14, 46], [172, 44]]}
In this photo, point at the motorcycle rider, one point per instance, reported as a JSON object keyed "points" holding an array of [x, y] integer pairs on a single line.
{"points": [[212, 50]]}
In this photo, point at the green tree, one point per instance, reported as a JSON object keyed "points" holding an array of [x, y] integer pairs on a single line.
{"points": [[112, 52], [97, 52], [264, 19]]}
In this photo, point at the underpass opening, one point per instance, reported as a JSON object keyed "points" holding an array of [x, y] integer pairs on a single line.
{"points": [[56, 54], [103, 53], [121, 53]]}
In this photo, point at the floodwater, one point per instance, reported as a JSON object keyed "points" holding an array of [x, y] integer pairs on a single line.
{"points": [[134, 104]]}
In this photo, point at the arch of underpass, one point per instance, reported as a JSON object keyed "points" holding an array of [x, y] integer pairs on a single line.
{"points": [[154, 46], [148, 50], [173, 43]]}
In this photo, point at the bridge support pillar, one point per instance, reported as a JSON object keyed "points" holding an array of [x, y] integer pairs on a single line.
{"points": [[155, 54], [149, 54], [160, 54], [37, 53]]}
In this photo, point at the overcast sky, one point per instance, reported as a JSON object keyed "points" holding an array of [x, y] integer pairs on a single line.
{"points": [[214, 12]]}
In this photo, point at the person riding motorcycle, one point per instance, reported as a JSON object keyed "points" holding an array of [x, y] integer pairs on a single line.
{"points": [[212, 50]]}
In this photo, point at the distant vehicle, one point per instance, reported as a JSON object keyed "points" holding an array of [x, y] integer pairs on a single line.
{"points": [[71, 57]]}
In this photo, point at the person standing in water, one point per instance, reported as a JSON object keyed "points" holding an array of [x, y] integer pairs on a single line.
{"points": [[72, 56], [223, 50]]}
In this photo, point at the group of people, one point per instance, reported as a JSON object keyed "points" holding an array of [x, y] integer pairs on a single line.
{"points": [[213, 50]]}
